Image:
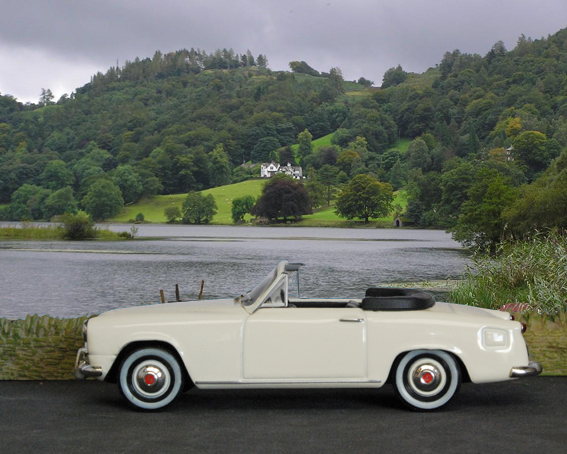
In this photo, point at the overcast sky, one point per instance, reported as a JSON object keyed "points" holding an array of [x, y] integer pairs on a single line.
{"points": [[59, 44]]}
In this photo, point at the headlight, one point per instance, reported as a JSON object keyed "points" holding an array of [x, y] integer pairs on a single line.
{"points": [[494, 338]]}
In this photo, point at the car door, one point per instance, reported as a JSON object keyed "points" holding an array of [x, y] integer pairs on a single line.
{"points": [[294, 343]]}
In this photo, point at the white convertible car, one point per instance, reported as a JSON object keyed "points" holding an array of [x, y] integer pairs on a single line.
{"points": [[266, 339]]}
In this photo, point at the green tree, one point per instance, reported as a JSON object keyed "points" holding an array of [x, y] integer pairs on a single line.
{"points": [[220, 167], [397, 176], [336, 80], [198, 209], [263, 149], [27, 202], [302, 67], [241, 206], [282, 197], [394, 76], [543, 203], [60, 202], [305, 147], [530, 147], [327, 177], [129, 182], [481, 224], [346, 160], [46, 97], [56, 175], [418, 155], [103, 200], [316, 193], [365, 197], [172, 214]]}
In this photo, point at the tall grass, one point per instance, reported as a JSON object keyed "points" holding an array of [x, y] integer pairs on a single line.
{"points": [[532, 271], [56, 232], [27, 232]]}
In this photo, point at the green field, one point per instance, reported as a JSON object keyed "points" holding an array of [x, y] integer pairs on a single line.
{"points": [[153, 208]]}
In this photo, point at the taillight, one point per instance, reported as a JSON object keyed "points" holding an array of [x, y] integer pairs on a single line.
{"points": [[524, 328], [512, 317]]}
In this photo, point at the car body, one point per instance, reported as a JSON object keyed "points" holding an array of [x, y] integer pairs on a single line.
{"points": [[264, 338]]}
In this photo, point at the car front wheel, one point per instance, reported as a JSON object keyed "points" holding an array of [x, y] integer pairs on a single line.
{"points": [[427, 379], [151, 378]]}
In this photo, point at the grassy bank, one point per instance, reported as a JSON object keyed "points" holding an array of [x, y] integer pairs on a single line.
{"points": [[532, 271], [51, 232], [39, 348]]}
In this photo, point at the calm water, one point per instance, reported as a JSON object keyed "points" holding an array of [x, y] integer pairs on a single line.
{"points": [[69, 279]]}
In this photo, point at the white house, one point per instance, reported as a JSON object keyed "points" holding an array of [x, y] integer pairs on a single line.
{"points": [[268, 170]]}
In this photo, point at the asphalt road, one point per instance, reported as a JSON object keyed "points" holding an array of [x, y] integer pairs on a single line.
{"points": [[71, 416]]}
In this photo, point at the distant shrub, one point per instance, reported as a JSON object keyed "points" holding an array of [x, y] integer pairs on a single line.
{"points": [[172, 214], [139, 217], [78, 226]]}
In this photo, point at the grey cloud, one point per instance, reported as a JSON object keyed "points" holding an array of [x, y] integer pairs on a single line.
{"points": [[363, 37]]}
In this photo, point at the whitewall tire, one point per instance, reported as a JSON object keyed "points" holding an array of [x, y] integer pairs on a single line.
{"points": [[427, 379], [151, 378]]}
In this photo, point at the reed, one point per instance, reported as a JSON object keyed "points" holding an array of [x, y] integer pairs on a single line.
{"points": [[532, 271]]}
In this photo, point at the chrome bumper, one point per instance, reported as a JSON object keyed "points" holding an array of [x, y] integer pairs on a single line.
{"points": [[533, 368], [82, 367]]}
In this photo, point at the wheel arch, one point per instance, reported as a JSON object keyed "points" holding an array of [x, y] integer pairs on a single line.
{"points": [[465, 378], [112, 376]]}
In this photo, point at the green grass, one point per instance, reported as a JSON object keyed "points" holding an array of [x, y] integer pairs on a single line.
{"points": [[43, 233], [153, 208], [423, 81], [401, 145]]}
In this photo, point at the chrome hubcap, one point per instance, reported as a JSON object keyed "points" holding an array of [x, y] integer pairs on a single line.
{"points": [[426, 377], [151, 378]]}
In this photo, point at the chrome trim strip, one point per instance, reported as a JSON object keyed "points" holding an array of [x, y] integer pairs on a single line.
{"points": [[353, 320], [532, 369], [289, 382]]}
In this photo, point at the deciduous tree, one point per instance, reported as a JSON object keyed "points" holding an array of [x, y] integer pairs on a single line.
{"points": [[198, 209], [305, 146], [365, 197], [103, 200], [282, 197], [241, 206]]}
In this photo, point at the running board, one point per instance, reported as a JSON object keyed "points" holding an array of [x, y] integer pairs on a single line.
{"points": [[289, 384]]}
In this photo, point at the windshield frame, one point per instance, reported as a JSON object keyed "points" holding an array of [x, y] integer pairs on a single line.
{"points": [[253, 299]]}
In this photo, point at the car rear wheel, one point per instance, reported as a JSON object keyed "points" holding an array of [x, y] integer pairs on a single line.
{"points": [[151, 378], [427, 379]]}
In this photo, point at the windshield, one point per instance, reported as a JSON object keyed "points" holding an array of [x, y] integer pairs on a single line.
{"points": [[252, 295]]}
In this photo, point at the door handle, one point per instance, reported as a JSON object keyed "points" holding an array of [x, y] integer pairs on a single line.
{"points": [[352, 320]]}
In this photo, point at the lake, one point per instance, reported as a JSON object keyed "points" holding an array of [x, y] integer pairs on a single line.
{"points": [[70, 279]]}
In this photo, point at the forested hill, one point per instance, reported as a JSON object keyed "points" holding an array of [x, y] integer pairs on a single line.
{"points": [[187, 120]]}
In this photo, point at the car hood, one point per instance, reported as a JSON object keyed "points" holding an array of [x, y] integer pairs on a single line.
{"points": [[157, 310]]}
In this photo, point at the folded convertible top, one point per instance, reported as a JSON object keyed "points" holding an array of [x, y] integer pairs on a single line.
{"points": [[396, 299]]}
